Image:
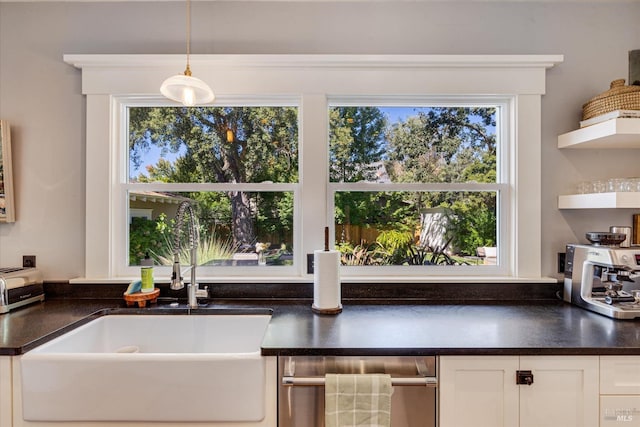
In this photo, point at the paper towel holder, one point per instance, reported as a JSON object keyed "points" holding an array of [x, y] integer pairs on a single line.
{"points": [[317, 301], [317, 310]]}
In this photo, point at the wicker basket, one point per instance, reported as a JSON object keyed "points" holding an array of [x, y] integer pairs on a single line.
{"points": [[619, 97]]}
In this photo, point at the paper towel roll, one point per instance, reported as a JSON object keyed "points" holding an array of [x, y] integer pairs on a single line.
{"points": [[326, 282]]}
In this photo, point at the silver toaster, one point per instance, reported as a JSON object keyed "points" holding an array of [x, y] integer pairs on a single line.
{"points": [[19, 286]]}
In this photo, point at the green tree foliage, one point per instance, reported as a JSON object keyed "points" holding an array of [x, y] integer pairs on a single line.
{"points": [[154, 238], [444, 145], [147, 237], [395, 246], [436, 145], [356, 144], [220, 145], [451, 145], [376, 209], [474, 224]]}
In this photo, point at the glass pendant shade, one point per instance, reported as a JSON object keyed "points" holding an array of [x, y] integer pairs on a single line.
{"points": [[187, 90]]}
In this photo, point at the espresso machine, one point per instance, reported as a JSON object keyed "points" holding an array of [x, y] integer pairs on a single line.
{"points": [[602, 277]]}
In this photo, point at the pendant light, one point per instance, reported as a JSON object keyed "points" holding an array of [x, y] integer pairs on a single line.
{"points": [[185, 88]]}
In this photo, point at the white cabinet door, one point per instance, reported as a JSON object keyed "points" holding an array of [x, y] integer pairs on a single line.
{"points": [[478, 391], [482, 391], [619, 391], [5, 392], [564, 392]]}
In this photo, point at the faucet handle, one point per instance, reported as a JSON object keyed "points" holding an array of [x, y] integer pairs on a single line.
{"points": [[202, 293]]}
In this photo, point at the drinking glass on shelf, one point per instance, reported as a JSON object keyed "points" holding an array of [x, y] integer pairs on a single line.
{"points": [[634, 184], [628, 185], [617, 185], [584, 187], [598, 186]]}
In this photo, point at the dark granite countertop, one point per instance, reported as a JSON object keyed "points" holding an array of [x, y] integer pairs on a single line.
{"points": [[27, 327], [375, 329], [555, 329]]}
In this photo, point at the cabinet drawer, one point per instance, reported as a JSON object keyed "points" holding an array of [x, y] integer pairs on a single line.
{"points": [[620, 375], [622, 410]]}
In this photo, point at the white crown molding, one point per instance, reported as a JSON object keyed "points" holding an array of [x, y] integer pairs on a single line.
{"points": [[335, 1], [314, 61], [353, 74]]}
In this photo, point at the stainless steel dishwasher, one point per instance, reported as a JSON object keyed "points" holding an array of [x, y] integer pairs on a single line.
{"points": [[301, 389]]}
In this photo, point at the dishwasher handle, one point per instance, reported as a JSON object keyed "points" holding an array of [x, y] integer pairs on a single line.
{"points": [[397, 381]]}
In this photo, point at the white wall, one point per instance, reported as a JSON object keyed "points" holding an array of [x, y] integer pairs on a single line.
{"points": [[40, 95]]}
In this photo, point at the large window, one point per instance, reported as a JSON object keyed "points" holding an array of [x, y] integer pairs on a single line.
{"points": [[441, 168], [447, 216], [232, 164], [423, 167]]}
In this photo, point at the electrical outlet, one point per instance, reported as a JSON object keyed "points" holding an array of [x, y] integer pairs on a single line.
{"points": [[309, 263], [561, 260], [28, 261]]}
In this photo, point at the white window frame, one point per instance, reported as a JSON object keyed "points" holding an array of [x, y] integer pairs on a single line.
{"points": [[314, 80], [120, 239], [502, 186]]}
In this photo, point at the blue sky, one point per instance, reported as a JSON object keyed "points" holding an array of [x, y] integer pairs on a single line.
{"points": [[396, 114]]}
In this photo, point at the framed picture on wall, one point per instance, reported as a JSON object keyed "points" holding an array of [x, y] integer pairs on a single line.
{"points": [[7, 208]]}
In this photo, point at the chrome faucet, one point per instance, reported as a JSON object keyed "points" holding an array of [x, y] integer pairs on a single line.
{"points": [[194, 241]]}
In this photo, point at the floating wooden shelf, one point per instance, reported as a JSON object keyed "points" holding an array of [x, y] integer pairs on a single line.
{"points": [[629, 200], [614, 133]]}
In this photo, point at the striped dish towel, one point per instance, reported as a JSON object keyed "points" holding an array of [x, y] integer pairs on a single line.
{"points": [[357, 400]]}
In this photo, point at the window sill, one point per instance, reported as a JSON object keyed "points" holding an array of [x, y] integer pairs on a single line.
{"points": [[347, 279]]}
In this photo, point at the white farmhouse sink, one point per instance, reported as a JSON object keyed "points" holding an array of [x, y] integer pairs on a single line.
{"points": [[149, 368]]}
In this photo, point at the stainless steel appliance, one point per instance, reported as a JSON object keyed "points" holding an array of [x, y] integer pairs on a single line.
{"points": [[603, 279], [301, 389], [19, 286]]}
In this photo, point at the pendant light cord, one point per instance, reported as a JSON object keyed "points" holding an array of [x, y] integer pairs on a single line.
{"points": [[187, 71]]}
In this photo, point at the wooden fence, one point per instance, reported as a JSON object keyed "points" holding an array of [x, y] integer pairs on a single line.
{"points": [[356, 234]]}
